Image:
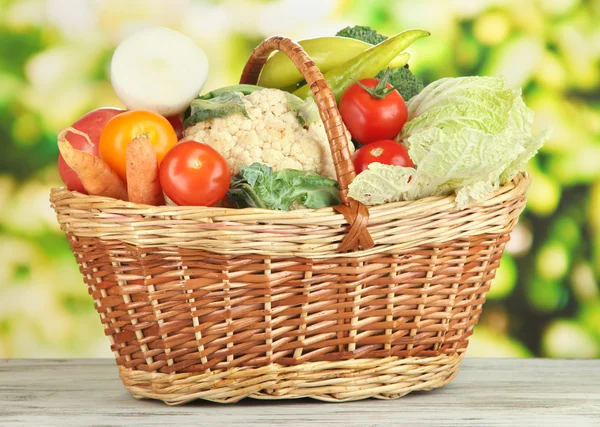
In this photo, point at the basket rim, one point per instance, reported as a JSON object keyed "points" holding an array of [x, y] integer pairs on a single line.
{"points": [[522, 179], [395, 227]]}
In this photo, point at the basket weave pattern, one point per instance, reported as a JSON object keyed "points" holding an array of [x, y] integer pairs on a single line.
{"points": [[221, 304], [171, 306]]}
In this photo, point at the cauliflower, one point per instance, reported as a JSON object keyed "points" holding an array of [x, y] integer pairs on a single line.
{"points": [[273, 135]]}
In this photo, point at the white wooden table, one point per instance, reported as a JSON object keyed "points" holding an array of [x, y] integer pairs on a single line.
{"points": [[487, 392]]}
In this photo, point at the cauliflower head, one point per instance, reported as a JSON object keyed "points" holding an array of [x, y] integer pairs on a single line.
{"points": [[272, 136]]}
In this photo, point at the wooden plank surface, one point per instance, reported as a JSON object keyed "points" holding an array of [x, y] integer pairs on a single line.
{"points": [[487, 392]]}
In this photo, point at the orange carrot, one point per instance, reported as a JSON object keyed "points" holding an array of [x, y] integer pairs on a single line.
{"points": [[143, 185], [97, 177]]}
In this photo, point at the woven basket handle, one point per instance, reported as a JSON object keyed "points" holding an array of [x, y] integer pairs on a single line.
{"points": [[356, 213]]}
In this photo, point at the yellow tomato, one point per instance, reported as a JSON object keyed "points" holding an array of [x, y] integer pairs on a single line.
{"points": [[122, 129]]}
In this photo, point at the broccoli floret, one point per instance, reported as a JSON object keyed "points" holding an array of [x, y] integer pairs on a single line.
{"points": [[362, 33], [404, 81]]}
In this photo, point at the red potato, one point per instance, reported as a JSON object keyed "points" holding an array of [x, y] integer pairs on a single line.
{"points": [[177, 125], [91, 124]]}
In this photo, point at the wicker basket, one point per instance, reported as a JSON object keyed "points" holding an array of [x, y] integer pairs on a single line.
{"points": [[222, 304]]}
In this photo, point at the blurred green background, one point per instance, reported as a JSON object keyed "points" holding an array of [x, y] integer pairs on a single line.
{"points": [[54, 56]]}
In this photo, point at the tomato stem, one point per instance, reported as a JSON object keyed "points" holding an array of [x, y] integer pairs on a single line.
{"points": [[381, 90]]}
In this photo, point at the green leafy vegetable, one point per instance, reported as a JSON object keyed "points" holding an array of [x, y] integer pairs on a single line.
{"points": [[243, 88], [221, 102], [381, 184], [464, 102], [258, 186], [306, 110], [466, 135], [221, 105], [522, 119], [228, 100]]}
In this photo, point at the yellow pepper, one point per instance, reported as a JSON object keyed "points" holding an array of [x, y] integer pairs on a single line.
{"points": [[327, 52]]}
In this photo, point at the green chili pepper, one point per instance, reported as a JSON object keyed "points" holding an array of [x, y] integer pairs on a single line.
{"points": [[398, 62], [367, 64], [327, 52]]}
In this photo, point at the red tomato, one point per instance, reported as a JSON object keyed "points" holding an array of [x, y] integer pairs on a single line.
{"points": [[194, 174], [371, 119], [386, 151], [120, 130], [92, 124]]}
